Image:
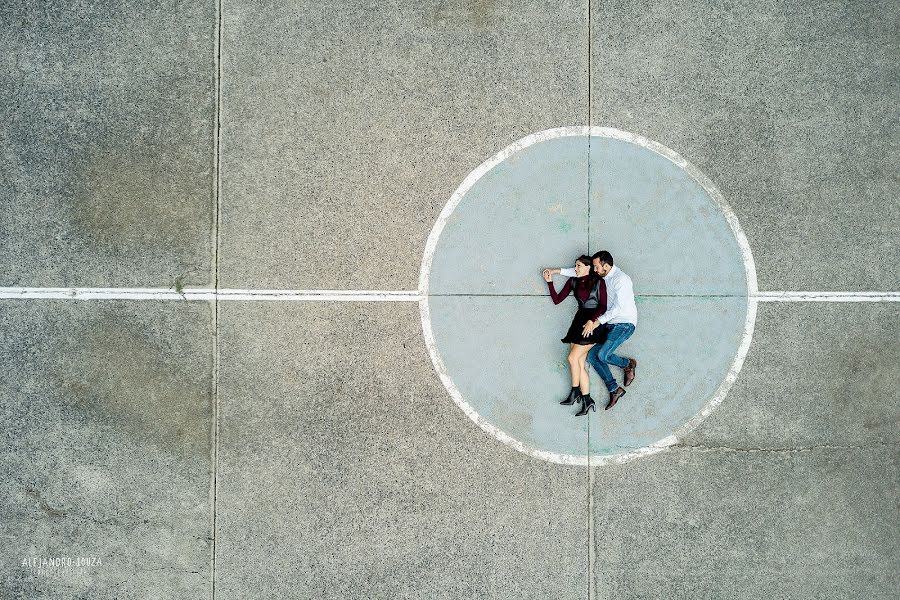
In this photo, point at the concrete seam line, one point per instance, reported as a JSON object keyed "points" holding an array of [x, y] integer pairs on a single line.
{"points": [[215, 307]]}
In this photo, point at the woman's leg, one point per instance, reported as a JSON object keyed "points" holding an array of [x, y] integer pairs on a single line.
{"points": [[575, 364], [584, 380]]}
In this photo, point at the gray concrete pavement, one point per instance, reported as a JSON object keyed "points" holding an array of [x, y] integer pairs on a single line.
{"points": [[690, 523], [106, 176], [346, 472], [789, 107], [348, 126], [106, 412], [823, 373]]}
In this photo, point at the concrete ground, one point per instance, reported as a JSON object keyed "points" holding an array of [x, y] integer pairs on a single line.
{"points": [[245, 449]]}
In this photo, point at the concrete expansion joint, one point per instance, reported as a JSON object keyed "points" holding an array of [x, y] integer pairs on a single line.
{"points": [[793, 449]]}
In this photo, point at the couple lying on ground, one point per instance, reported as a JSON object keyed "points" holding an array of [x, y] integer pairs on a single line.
{"points": [[606, 317]]}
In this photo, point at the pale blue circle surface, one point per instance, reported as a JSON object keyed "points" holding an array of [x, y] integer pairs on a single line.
{"points": [[497, 333]]}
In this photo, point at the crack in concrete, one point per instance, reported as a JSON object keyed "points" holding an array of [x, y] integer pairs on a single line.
{"points": [[53, 512], [171, 568], [59, 513]]}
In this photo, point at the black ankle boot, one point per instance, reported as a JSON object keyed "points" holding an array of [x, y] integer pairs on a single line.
{"points": [[574, 396], [587, 404]]}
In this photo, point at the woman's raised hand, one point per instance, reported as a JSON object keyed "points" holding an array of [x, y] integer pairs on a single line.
{"points": [[548, 275]]}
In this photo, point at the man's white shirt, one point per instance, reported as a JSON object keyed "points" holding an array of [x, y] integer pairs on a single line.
{"points": [[620, 307]]}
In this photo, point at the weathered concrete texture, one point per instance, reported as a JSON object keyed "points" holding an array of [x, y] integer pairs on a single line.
{"points": [[815, 524], [817, 373], [106, 412], [106, 175], [345, 470], [790, 108], [528, 212], [346, 127]]}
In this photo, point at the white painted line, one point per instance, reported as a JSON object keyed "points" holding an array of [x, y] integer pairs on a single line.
{"points": [[86, 293], [828, 296], [421, 295], [208, 294]]}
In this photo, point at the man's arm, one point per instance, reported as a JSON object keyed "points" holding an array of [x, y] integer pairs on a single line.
{"points": [[594, 322], [569, 272], [602, 301]]}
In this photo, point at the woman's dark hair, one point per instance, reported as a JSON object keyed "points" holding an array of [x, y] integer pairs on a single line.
{"points": [[591, 276]]}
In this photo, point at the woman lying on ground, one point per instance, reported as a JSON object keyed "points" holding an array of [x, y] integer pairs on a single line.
{"points": [[589, 290]]}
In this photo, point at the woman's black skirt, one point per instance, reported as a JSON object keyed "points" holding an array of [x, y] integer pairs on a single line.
{"points": [[598, 336]]}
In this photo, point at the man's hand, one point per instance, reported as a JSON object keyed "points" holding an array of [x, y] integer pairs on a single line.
{"points": [[548, 274], [589, 328]]}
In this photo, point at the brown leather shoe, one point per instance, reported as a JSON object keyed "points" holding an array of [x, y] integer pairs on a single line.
{"points": [[614, 397], [629, 371]]}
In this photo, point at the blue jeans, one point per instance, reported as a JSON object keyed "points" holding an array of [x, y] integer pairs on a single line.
{"points": [[601, 355]]}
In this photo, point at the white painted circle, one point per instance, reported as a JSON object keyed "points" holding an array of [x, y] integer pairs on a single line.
{"points": [[711, 190]]}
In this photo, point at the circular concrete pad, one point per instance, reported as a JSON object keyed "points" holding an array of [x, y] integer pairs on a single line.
{"points": [[494, 334]]}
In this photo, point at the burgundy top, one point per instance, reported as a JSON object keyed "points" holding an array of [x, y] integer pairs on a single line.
{"points": [[582, 292]]}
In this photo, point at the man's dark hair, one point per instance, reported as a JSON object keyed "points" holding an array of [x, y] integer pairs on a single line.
{"points": [[604, 257]]}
